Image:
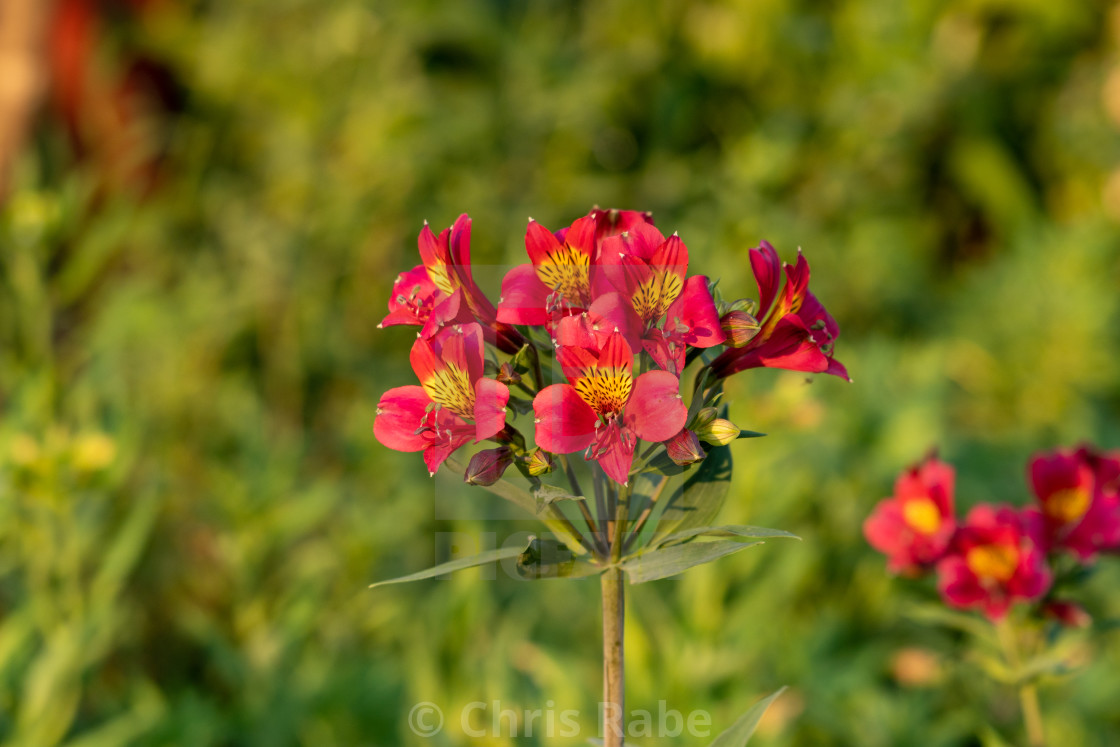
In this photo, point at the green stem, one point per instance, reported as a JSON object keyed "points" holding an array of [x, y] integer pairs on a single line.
{"points": [[1028, 691], [614, 698], [614, 619], [644, 516]]}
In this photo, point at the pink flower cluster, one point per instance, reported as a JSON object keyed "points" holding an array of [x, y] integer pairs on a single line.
{"points": [[1001, 555], [609, 301]]}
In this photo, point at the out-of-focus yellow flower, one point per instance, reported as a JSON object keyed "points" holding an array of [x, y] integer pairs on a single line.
{"points": [[25, 450], [94, 452]]}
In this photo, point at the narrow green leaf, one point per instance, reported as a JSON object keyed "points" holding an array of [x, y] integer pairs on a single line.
{"points": [[523, 498], [731, 530], [669, 561], [742, 730], [695, 500], [750, 434], [547, 558], [455, 565], [546, 495]]}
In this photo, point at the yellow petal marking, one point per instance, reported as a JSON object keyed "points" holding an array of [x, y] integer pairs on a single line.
{"points": [[567, 271], [606, 390], [993, 562], [451, 387], [654, 296], [1066, 506]]}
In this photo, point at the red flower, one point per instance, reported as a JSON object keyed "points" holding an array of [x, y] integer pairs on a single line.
{"points": [[996, 560], [648, 272], [417, 301], [426, 295], [796, 332], [604, 409], [1080, 510], [566, 273], [914, 527], [435, 416]]}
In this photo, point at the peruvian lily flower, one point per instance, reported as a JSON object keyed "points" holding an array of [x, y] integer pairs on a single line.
{"points": [[653, 304], [1078, 511], [442, 290], [914, 527], [996, 560], [454, 404], [566, 273], [604, 409], [417, 301], [796, 332]]}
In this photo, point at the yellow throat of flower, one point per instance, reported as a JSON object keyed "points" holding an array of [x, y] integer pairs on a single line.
{"points": [[922, 515], [568, 272], [606, 390], [993, 562], [653, 297], [451, 387], [1067, 506]]}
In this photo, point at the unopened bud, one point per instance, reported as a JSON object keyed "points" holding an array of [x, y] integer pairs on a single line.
{"points": [[703, 418], [719, 432], [1070, 614], [487, 466], [539, 463], [507, 375], [739, 326], [684, 448]]}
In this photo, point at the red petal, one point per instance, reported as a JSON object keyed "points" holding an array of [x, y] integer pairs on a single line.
{"points": [[655, 411], [616, 354], [565, 423], [615, 452], [698, 313], [490, 398], [523, 297], [424, 359], [460, 245], [462, 345], [581, 236], [399, 413], [540, 243], [767, 268], [613, 311]]}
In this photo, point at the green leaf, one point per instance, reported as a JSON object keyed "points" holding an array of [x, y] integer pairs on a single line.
{"points": [[455, 565], [651, 565], [547, 558], [696, 501], [731, 530], [749, 434], [742, 730], [546, 495], [937, 614]]}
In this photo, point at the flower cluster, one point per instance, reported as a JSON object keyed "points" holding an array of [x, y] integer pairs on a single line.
{"points": [[1001, 555], [608, 306]]}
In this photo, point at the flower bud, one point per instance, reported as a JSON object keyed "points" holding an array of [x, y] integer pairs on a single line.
{"points": [[739, 326], [718, 432], [705, 416], [539, 463], [1070, 614], [684, 448], [508, 375], [487, 466]]}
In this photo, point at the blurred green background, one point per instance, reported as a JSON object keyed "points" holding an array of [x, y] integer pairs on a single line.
{"points": [[192, 502]]}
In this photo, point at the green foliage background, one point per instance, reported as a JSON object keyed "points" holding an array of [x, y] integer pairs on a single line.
{"points": [[191, 499]]}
